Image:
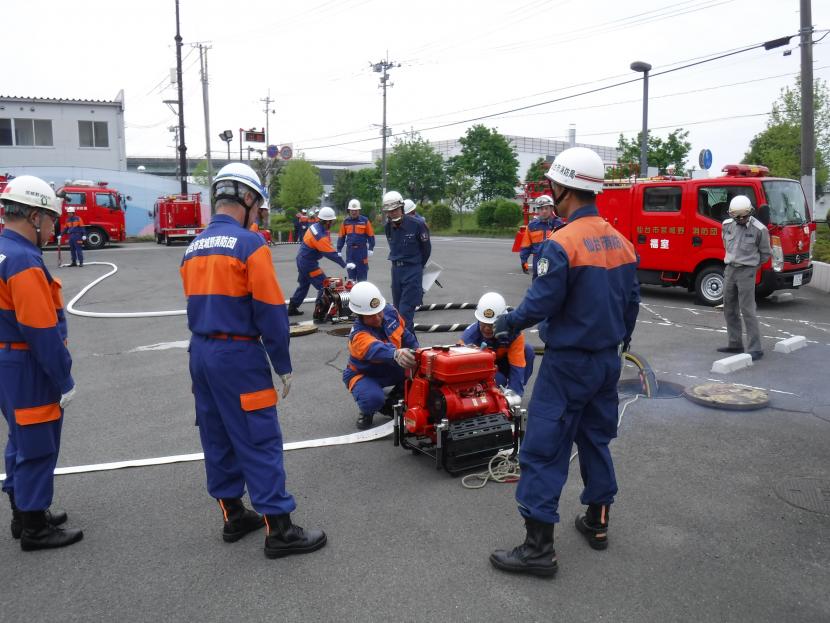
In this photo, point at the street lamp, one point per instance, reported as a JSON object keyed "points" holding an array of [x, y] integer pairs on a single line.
{"points": [[227, 136], [644, 68]]}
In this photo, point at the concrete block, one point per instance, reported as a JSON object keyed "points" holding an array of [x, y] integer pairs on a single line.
{"points": [[781, 297], [790, 344], [821, 277], [730, 364]]}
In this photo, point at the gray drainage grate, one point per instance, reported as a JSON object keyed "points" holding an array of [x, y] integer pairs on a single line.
{"points": [[811, 494]]}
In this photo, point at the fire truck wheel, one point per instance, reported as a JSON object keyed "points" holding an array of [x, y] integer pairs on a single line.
{"points": [[167, 240], [159, 238], [709, 286], [95, 238]]}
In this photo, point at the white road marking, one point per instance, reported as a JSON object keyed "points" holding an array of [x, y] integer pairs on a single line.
{"points": [[161, 346]]}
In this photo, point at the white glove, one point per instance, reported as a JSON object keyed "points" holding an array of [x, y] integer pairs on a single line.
{"points": [[371, 252], [83, 237], [351, 266], [65, 398], [286, 383], [404, 358]]}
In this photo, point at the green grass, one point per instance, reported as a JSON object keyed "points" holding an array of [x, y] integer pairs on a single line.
{"points": [[468, 226], [822, 251]]}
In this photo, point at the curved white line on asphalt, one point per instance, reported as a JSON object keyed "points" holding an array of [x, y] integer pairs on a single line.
{"points": [[379, 432]]}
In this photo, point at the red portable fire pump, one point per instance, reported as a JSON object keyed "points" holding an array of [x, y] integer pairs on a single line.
{"points": [[454, 412], [333, 304]]}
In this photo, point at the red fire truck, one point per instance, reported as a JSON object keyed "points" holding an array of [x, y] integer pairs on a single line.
{"points": [[99, 207], [675, 225], [177, 217]]}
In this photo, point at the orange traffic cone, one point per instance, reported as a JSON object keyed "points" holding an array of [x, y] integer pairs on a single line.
{"points": [[290, 236]]}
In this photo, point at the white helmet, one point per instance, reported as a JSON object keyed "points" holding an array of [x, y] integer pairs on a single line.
{"points": [[365, 299], [579, 168], [392, 200], [490, 306], [226, 183], [326, 214], [740, 206], [70, 209], [408, 206], [543, 201], [31, 191], [354, 204]]}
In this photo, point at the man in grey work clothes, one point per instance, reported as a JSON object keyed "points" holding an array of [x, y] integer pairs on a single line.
{"points": [[746, 240]]}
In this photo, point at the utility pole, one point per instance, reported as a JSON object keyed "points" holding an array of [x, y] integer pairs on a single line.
{"points": [[268, 111], [203, 63], [382, 67], [182, 146], [808, 139]]}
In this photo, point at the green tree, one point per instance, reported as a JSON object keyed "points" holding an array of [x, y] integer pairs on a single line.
{"points": [[488, 157], [343, 191], [199, 174], [779, 149], [416, 170], [300, 186], [536, 172], [462, 193], [673, 151], [270, 169], [787, 110], [507, 214]]}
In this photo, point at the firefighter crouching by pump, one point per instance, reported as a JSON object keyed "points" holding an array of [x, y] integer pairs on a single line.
{"points": [[537, 231], [35, 379], [409, 251], [379, 352], [358, 236], [316, 244], [76, 233], [514, 357], [237, 316], [587, 297]]}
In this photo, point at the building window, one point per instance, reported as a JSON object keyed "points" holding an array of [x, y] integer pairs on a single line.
{"points": [[26, 132], [93, 134], [662, 199]]}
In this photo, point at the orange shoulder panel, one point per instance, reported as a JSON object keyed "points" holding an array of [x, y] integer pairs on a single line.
{"points": [[590, 241], [360, 343], [5, 296], [214, 274], [262, 278], [32, 299], [369, 230]]}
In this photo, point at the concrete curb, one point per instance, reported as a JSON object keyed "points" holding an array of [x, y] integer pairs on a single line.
{"points": [[790, 344], [731, 364], [821, 277]]}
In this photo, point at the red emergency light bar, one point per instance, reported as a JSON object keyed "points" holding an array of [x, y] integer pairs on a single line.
{"points": [[746, 170]]}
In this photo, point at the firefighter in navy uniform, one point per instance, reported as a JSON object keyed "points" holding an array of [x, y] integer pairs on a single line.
{"points": [[587, 298], [316, 245], [409, 251], [409, 208], [514, 357], [236, 314], [537, 231], [76, 232], [379, 352], [35, 379], [358, 236]]}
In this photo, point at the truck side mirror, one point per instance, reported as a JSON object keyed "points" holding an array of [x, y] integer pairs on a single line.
{"points": [[763, 214]]}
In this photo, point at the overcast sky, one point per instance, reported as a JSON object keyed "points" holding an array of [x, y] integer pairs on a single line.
{"points": [[459, 60]]}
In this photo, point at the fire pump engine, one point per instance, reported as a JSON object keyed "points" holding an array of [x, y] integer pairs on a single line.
{"points": [[675, 226], [333, 304], [454, 412], [177, 217], [99, 207]]}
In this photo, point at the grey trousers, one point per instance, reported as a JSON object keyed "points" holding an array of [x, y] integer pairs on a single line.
{"points": [[739, 300]]}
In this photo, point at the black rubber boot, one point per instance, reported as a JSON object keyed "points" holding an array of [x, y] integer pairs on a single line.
{"points": [[293, 310], [286, 539], [239, 520], [38, 533], [593, 525], [55, 518], [365, 421], [535, 556]]}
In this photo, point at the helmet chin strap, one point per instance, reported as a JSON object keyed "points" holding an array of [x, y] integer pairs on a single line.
{"points": [[37, 228], [557, 201]]}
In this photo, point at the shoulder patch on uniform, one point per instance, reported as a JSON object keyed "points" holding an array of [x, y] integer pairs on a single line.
{"points": [[727, 221], [759, 224], [542, 266]]}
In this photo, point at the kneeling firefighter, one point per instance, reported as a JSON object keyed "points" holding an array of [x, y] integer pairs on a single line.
{"points": [[514, 357], [378, 351], [236, 313], [586, 296]]}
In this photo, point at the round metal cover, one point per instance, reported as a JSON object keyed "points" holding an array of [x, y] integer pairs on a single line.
{"points": [[340, 331], [302, 329], [812, 494], [728, 396]]}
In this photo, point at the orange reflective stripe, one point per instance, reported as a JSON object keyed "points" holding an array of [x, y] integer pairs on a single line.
{"points": [[214, 274], [315, 272], [32, 298], [369, 230], [536, 236], [262, 278], [261, 399], [15, 345], [354, 380], [360, 229], [37, 415], [57, 294], [397, 334], [6, 296], [526, 238], [516, 352], [360, 343]]}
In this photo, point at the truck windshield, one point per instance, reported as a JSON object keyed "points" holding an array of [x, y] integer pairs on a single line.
{"points": [[786, 202]]}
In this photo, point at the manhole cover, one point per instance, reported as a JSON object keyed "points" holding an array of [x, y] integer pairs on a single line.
{"points": [[340, 331], [811, 494], [302, 329], [727, 396]]}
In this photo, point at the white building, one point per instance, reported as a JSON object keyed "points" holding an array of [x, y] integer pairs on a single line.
{"points": [[47, 132]]}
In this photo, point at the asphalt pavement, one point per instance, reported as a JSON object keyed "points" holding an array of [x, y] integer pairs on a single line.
{"points": [[700, 530]]}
